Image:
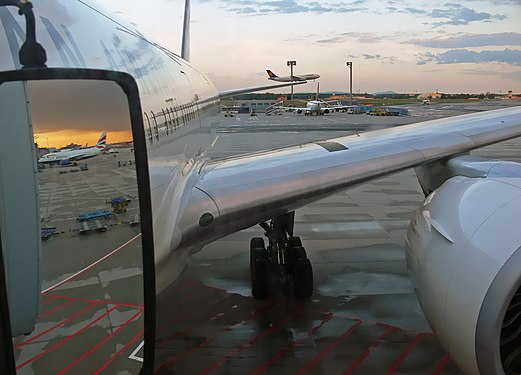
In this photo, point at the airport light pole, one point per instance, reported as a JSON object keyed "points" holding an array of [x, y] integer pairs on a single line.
{"points": [[291, 64], [350, 65]]}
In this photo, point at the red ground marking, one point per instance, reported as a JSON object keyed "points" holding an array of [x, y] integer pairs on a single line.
{"points": [[57, 325], [188, 313], [56, 308], [441, 365], [92, 265], [97, 346], [118, 353], [360, 359], [327, 350], [49, 299], [100, 301], [161, 342], [406, 352], [65, 340], [290, 347], [249, 344], [186, 353]]}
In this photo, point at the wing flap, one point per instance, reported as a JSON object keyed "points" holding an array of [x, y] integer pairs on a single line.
{"points": [[251, 189]]}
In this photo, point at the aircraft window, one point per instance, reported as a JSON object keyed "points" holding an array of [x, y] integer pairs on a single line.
{"points": [[155, 125], [176, 119], [149, 129], [166, 121]]}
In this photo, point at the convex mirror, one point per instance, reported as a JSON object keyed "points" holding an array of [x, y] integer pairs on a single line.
{"points": [[74, 219]]}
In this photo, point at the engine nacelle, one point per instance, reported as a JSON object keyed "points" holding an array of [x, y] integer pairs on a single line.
{"points": [[464, 257]]}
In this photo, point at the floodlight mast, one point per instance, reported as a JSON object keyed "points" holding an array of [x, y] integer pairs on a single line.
{"points": [[350, 65], [291, 64]]}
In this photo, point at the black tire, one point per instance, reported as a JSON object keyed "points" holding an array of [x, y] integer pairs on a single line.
{"points": [[259, 279], [303, 278], [293, 255], [256, 242], [294, 241], [257, 253]]}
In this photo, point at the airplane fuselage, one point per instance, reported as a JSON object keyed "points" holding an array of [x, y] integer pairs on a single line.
{"points": [[179, 103], [293, 78]]}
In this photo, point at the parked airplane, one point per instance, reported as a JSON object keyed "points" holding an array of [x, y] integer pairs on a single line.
{"points": [[75, 155], [467, 226], [299, 77], [319, 107]]}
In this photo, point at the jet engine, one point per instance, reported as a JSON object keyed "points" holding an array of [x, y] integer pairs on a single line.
{"points": [[463, 254]]}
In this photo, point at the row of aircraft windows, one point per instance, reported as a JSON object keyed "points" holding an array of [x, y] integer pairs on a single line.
{"points": [[167, 120]]}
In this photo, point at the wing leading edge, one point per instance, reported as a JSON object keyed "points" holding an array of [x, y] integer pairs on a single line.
{"points": [[251, 189]]}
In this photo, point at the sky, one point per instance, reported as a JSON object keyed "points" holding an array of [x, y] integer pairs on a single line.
{"points": [[465, 46]]}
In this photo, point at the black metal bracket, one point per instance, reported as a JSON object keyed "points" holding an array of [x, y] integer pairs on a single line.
{"points": [[31, 54]]}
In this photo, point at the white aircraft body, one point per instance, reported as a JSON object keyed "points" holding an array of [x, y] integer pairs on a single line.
{"points": [[463, 248], [76, 155], [318, 107], [299, 77]]}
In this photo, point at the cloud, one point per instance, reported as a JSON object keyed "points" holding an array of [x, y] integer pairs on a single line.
{"points": [[378, 57], [257, 7], [454, 14], [469, 40], [361, 37], [511, 75], [457, 56]]}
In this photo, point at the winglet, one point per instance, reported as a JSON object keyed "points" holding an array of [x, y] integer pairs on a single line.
{"points": [[185, 44], [271, 74]]}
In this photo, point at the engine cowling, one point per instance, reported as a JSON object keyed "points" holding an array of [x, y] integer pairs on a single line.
{"points": [[463, 254]]}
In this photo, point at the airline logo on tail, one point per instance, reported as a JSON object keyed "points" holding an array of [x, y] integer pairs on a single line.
{"points": [[271, 74], [102, 141]]}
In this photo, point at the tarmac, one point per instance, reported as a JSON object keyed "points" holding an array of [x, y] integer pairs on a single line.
{"points": [[363, 317]]}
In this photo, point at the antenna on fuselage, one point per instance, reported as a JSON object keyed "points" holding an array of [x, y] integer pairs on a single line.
{"points": [[185, 43]]}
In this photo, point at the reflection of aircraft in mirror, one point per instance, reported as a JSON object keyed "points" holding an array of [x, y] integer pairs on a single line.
{"points": [[75, 155], [467, 226], [299, 77]]}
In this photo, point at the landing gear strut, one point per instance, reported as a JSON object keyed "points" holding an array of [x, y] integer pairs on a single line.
{"points": [[282, 263]]}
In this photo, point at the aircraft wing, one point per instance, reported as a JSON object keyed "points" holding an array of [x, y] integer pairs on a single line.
{"points": [[230, 93], [251, 189]]}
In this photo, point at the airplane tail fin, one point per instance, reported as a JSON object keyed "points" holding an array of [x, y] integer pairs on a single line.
{"points": [[102, 141], [318, 90], [271, 74], [185, 44]]}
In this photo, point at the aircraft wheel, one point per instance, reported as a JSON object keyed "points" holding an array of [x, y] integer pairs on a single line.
{"points": [[294, 241], [257, 251], [259, 279], [303, 278], [294, 254]]}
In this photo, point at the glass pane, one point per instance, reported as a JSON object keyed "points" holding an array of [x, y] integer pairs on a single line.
{"points": [[91, 302]]}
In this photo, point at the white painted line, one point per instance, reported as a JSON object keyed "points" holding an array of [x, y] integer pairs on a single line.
{"points": [[92, 265], [133, 356]]}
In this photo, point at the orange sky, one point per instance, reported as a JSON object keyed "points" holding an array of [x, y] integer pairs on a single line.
{"points": [[65, 137]]}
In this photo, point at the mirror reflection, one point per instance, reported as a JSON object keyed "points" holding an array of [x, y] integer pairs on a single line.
{"points": [[91, 263]]}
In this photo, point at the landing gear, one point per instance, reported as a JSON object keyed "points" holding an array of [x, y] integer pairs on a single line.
{"points": [[283, 263]]}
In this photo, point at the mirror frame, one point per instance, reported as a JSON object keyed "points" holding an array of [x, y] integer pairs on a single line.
{"points": [[130, 88]]}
